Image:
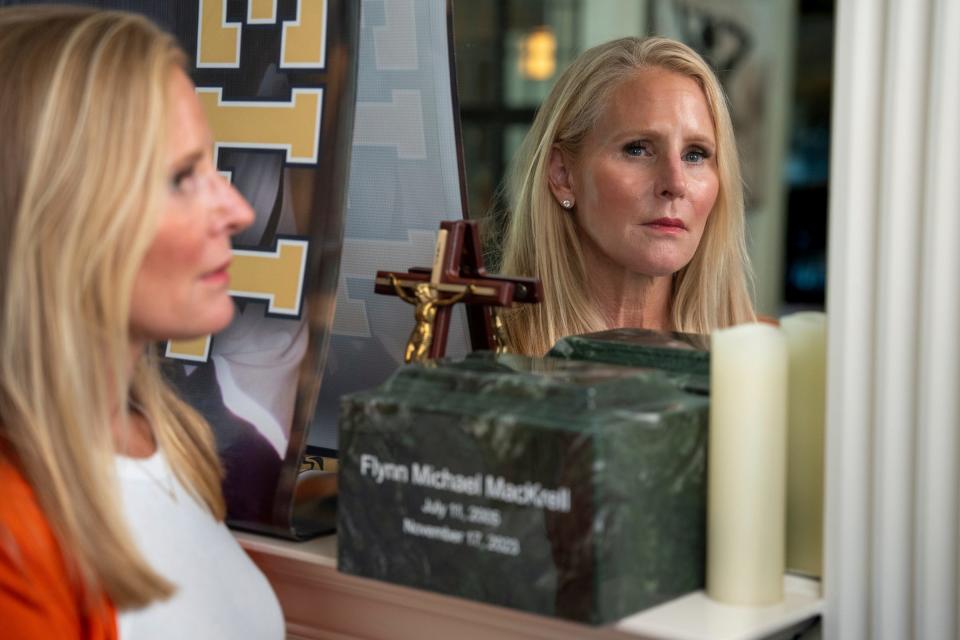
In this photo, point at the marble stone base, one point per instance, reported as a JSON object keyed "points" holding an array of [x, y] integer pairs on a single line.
{"points": [[559, 487]]}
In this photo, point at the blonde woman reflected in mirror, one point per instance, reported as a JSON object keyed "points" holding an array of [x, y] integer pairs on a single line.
{"points": [[626, 200], [117, 234]]}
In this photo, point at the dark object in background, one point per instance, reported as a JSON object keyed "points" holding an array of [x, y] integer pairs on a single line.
{"points": [[805, 274]]}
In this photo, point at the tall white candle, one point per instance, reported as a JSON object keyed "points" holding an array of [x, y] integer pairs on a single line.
{"points": [[806, 335], [747, 465]]}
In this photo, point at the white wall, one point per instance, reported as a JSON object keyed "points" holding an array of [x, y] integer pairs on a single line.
{"points": [[603, 20]]}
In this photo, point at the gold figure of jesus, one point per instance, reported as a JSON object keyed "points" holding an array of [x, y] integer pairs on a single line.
{"points": [[499, 337], [425, 299]]}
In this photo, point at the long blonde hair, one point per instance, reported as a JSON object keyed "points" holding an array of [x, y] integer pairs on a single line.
{"points": [[83, 122], [543, 240]]}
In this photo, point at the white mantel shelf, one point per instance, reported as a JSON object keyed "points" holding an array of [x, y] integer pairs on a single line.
{"points": [[320, 602]]}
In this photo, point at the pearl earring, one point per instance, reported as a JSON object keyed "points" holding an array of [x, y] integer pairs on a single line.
{"points": [[566, 204]]}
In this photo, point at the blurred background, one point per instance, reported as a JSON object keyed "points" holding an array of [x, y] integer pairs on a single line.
{"points": [[774, 58]]}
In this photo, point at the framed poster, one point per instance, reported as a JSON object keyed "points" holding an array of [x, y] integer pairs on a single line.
{"points": [[406, 176], [277, 81]]}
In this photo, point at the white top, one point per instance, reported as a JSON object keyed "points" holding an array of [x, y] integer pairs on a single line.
{"points": [[220, 592]]}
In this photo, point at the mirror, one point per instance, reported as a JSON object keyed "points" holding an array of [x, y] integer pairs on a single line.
{"points": [[774, 59]]}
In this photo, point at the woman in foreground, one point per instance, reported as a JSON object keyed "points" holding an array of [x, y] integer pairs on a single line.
{"points": [[116, 234], [626, 200]]}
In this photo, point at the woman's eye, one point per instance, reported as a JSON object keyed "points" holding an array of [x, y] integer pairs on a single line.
{"points": [[695, 156], [636, 149], [183, 180]]}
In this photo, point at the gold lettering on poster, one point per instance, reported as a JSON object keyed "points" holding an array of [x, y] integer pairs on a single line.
{"points": [[218, 41], [292, 126], [304, 42], [261, 11], [196, 350], [276, 277]]}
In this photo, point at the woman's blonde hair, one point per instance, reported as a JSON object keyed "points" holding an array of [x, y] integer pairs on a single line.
{"points": [[84, 107], [543, 240]]}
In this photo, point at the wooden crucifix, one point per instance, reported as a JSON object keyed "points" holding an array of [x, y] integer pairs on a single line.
{"points": [[458, 275]]}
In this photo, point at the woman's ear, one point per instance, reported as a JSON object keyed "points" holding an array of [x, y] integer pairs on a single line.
{"points": [[558, 175]]}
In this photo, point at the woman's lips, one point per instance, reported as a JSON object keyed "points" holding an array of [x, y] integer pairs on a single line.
{"points": [[667, 225], [219, 275]]}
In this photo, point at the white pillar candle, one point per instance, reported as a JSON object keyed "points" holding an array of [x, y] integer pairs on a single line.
{"points": [[747, 465], [806, 335]]}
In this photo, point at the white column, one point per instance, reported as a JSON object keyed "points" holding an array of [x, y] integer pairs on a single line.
{"points": [[902, 143], [938, 374], [854, 178], [894, 311]]}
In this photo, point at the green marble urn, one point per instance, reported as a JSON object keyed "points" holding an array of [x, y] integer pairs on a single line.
{"points": [[684, 357], [559, 487]]}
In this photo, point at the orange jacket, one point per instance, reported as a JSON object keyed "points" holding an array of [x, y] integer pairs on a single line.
{"points": [[38, 599]]}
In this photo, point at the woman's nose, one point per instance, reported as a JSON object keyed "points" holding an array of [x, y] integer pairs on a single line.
{"points": [[234, 213], [672, 181]]}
